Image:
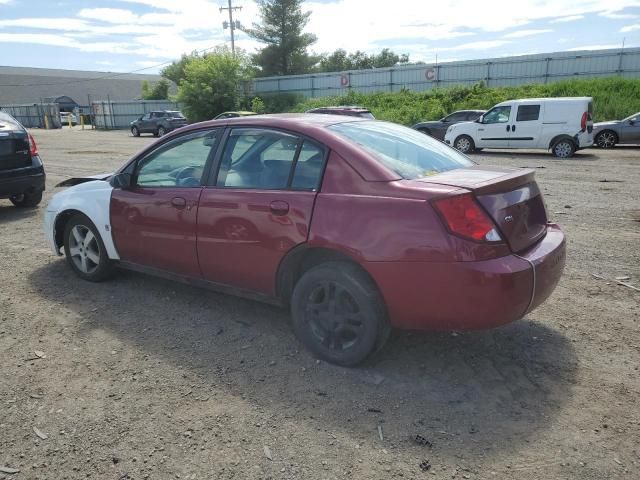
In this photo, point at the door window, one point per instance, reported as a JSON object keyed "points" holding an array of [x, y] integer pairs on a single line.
{"points": [[270, 160], [497, 115], [179, 163], [527, 113], [146, 116]]}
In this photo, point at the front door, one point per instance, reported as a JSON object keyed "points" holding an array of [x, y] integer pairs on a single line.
{"points": [[629, 130], [495, 129], [154, 221], [260, 207], [526, 127]]}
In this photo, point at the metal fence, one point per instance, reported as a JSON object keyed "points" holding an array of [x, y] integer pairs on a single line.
{"points": [[506, 71], [35, 115], [116, 115]]}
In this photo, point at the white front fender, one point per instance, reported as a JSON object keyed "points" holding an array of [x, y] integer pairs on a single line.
{"points": [[93, 200]]}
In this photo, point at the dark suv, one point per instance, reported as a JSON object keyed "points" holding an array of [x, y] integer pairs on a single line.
{"points": [[438, 128], [158, 123], [21, 171], [352, 111]]}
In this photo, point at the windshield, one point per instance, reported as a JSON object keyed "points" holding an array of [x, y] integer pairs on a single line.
{"points": [[635, 117], [409, 153]]}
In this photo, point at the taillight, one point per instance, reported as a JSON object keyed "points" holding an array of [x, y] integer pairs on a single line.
{"points": [[583, 121], [465, 218], [33, 148]]}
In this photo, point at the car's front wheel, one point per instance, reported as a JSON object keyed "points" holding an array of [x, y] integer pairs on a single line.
{"points": [[464, 144], [606, 139], [85, 250], [27, 200], [338, 313], [135, 132]]}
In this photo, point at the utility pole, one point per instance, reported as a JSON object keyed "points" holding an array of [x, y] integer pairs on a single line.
{"points": [[231, 24]]}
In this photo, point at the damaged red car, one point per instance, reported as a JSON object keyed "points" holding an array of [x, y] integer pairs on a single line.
{"points": [[356, 225]]}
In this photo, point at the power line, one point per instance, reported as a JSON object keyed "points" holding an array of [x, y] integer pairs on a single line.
{"points": [[111, 75]]}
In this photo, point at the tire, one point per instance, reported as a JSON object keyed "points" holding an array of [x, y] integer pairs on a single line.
{"points": [[338, 313], [162, 131], [606, 139], [564, 148], [85, 250], [464, 144], [27, 200], [135, 132]]}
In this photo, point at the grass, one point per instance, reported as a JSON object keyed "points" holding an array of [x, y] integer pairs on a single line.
{"points": [[613, 98]]}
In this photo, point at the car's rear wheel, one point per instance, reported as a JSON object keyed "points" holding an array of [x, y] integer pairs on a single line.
{"points": [[27, 200], [135, 132], [464, 144], [563, 148], [162, 131], [338, 313], [606, 139], [85, 250]]}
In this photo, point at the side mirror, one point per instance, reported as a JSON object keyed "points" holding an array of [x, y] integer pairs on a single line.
{"points": [[632, 122], [444, 120], [121, 180]]}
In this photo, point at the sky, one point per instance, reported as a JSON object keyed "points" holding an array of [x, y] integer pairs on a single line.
{"points": [[131, 35]]}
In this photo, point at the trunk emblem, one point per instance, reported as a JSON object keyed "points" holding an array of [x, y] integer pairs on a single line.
{"points": [[508, 218]]}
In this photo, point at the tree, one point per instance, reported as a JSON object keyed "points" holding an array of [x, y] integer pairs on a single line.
{"points": [[339, 60], [175, 71], [281, 28], [159, 91], [211, 84]]}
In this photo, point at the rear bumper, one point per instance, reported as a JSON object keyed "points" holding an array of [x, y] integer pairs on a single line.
{"points": [[17, 185], [470, 295]]}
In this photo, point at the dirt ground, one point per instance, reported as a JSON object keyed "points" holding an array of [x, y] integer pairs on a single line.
{"points": [[143, 378]]}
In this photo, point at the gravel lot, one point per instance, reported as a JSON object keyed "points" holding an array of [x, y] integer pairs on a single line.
{"points": [[144, 378]]}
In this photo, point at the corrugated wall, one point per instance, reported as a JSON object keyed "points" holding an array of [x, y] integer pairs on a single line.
{"points": [[116, 115], [33, 115], [506, 71]]}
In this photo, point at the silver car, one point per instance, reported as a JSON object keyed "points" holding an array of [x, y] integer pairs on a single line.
{"points": [[608, 134]]}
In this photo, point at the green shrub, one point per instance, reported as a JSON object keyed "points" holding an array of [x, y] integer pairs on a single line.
{"points": [[613, 98]]}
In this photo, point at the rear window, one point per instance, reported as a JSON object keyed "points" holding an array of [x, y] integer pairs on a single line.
{"points": [[407, 152], [175, 114]]}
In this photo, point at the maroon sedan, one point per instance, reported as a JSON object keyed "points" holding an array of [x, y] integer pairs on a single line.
{"points": [[357, 225]]}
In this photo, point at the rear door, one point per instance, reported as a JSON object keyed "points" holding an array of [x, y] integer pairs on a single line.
{"points": [[495, 129], [259, 207], [153, 222], [526, 125]]}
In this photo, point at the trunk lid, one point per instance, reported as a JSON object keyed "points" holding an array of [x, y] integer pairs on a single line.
{"points": [[510, 196], [14, 150]]}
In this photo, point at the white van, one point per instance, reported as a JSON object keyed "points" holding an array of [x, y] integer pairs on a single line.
{"points": [[562, 125]]}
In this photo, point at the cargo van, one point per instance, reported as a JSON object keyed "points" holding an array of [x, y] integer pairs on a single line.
{"points": [[562, 125]]}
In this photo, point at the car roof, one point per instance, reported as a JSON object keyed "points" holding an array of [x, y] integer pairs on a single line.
{"points": [[295, 121], [351, 108], [547, 100]]}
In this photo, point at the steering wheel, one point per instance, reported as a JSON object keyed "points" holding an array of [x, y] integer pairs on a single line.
{"points": [[184, 176]]}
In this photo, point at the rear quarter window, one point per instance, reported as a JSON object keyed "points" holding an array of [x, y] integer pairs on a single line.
{"points": [[528, 113]]}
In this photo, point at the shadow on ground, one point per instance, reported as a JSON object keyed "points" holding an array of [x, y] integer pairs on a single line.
{"points": [[540, 155], [470, 392], [9, 213]]}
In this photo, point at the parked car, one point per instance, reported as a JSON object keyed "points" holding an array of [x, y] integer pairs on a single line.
{"points": [[21, 171], [609, 134], [562, 125], [66, 116], [438, 128], [406, 231], [158, 123], [234, 114], [352, 111]]}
